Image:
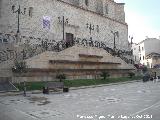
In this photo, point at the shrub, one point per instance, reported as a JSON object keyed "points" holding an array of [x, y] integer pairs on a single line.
{"points": [[61, 77], [131, 74], [19, 67], [105, 75], [145, 69]]}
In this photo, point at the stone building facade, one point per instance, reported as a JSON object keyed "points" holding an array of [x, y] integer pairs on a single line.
{"points": [[135, 49], [80, 38], [83, 19]]}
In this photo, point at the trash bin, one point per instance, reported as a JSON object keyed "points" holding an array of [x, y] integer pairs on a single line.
{"points": [[65, 89], [45, 90]]}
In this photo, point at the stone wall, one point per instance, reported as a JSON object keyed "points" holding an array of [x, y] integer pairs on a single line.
{"points": [[77, 62], [77, 17], [50, 75]]}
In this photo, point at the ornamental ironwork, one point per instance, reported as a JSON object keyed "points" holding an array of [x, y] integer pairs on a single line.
{"points": [[42, 44]]}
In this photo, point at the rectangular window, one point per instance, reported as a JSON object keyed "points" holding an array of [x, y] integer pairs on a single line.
{"points": [[86, 2], [143, 57], [148, 64], [135, 58], [139, 48], [30, 11]]}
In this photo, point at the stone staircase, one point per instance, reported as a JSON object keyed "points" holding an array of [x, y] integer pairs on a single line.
{"points": [[40, 58], [78, 61]]}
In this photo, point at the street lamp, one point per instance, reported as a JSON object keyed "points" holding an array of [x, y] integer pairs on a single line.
{"points": [[131, 37], [115, 34], [63, 21], [19, 12], [90, 27]]}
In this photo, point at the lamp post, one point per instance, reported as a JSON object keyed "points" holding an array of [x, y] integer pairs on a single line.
{"points": [[115, 34], [19, 12], [131, 37], [63, 21], [90, 27]]}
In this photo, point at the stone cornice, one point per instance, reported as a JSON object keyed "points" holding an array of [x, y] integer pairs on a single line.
{"points": [[79, 7], [81, 62], [116, 2]]}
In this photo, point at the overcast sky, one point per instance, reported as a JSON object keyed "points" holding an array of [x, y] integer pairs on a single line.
{"points": [[143, 18]]}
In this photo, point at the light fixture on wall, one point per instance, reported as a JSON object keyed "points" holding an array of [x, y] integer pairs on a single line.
{"points": [[116, 33], [90, 27], [64, 22], [19, 12]]}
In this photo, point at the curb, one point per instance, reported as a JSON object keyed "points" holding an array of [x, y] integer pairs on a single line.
{"points": [[93, 86], [3, 94]]}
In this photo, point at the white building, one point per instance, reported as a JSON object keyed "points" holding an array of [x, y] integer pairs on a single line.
{"points": [[83, 19], [147, 49], [135, 49], [153, 60]]}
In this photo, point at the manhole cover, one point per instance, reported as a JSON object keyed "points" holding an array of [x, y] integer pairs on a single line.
{"points": [[110, 100], [71, 95], [13, 101], [142, 91], [39, 100], [45, 113], [113, 89]]}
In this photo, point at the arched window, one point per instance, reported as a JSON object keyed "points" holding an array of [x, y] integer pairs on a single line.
{"points": [[99, 7], [106, 9], [30, 11], [86, 3], [75, 2]]}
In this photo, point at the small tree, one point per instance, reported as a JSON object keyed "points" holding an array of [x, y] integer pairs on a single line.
{"points": [[131, 74], [61, 77], [105, 75], [19, 67]]}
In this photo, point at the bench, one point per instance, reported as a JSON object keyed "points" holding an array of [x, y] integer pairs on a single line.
{"points": [[55, 86]]}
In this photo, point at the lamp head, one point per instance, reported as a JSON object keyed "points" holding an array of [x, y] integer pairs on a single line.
{"points": [[117, 34], [13, 8], [24, 10]]}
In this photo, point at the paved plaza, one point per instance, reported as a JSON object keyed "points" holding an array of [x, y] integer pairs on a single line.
{"points": [[131, 101]]}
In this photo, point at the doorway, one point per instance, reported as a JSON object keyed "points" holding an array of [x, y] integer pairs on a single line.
{"points": [[69, 40]]}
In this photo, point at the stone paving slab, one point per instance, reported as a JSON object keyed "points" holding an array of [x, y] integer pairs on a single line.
{"points": [[130, 101]]}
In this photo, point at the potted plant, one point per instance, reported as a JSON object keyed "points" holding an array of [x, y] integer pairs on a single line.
{"points": [[104, 75], [61, 78]]}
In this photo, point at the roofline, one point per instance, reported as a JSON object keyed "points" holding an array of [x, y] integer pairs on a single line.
{"points": [[116, 2], [78, 7], [148, 39], [152, 53]]}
